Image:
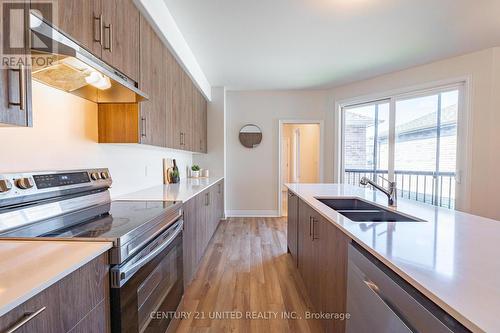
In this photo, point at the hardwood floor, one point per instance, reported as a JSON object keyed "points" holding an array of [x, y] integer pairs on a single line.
{"points": [[246, 272]]}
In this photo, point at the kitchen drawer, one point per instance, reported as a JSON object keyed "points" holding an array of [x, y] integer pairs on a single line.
{"points": [[97, 320], [64, 304]]}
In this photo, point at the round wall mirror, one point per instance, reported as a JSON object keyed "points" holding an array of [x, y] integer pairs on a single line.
{"points": [[250, 136]]}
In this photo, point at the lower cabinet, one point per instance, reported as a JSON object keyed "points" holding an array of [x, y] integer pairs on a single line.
{"points": [[292, 226], [202, 215], [77, 303], [322, 263]]}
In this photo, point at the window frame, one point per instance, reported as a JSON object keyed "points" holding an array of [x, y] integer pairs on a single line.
{"points": [[464, 126]]}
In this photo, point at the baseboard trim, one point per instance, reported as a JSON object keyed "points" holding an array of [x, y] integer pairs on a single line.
{"points": [[252, 213]]}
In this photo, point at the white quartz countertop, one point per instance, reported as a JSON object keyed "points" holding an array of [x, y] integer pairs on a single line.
{"points": [[183, 191], [28, 267], [453, 258]]}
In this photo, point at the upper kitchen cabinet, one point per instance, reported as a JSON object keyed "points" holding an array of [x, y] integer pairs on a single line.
{"points": [[83, 21], [199, 122], [175, 116], [120, 20], [182, 108], [154, 113], [15, 80], [107, 28]]}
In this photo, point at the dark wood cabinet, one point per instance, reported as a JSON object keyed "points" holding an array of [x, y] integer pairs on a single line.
{"points": [[175, 116], [189, 113], [308, 258], [15, 81], [220, 201], [169, 71], [182, 110], [322, 263], [154, 115], [216, 205], [199, 141], [82, 20], [107, 28], [292, 225], [96, 321], [178, 118], [77, 303], [332, 272], [190, 240], [121, 36], [202, 215]]}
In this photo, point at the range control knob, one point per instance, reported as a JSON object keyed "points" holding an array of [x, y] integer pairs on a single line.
{"points": [[5, 185], [95, 176], [104, 175], [24, 183]]}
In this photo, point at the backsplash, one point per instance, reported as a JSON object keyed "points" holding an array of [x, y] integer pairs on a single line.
{"points": [[64, 136]]}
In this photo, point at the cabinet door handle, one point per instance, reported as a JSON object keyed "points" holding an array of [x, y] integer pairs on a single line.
{"points": [[314, 221], [144, 123], [310, 226], [181, 135], [22, 88], [207, 199], [98, 19], [109, 28], [27, 317]]}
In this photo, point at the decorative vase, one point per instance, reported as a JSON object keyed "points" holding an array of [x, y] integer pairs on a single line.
{"points": [[195, 174]]}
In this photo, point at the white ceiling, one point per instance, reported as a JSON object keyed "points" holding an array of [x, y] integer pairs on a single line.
{"points": [[296, 44]]}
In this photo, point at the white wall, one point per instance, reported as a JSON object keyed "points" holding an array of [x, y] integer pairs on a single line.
{"points": [[64, 136], [214, 160], [252, 174], [483, 68]]}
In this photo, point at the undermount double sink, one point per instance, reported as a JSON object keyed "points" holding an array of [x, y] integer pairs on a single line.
{"points": [[358, 210]]}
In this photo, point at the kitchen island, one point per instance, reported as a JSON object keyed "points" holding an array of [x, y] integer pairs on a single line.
{"points": [[451, 257]]}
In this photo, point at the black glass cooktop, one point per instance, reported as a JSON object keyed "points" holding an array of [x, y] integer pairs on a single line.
{"points": [[109, 221]]}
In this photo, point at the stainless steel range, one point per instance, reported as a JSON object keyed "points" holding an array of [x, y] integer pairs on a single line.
{"points": [[76, 205]]}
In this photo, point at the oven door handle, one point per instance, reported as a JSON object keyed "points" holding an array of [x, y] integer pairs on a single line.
{"points": [[120, 275]]}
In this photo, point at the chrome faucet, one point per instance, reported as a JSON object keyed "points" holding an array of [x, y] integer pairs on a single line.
{"points": [[390, 192]]}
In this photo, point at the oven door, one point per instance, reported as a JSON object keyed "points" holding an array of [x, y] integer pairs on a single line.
{"points": [[149, 286]]}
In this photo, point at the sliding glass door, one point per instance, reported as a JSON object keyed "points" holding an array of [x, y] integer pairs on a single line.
{"points": [[365, 141], [411, 139]]}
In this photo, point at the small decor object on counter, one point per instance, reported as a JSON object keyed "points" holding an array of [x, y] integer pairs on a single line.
{"points": [[205, 173], [173, 174], [167, 165], [195, 171]]}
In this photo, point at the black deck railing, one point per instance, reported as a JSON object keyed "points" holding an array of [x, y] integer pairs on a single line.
{"points": [[436, 188]]}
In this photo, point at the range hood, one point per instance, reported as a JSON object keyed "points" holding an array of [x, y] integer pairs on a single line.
{"points": [[60, 62]]}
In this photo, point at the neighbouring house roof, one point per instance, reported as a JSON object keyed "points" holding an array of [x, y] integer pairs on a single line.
{"points": [[360, 120], [448, 116]]}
